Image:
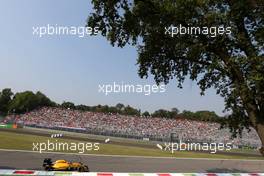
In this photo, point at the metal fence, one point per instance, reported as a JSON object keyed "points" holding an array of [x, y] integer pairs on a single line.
{"points": [[104, 133]]}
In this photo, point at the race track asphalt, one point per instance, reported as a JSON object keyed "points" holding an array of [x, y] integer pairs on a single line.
{"points": [[99, 163]]}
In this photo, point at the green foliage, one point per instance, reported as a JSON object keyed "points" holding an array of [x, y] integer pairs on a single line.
{"points": [[206, 115], [83, 107], [128, 110], [68, 105], [160, 113], [209, 116], [27, 101], [233, 63], [5, 99], [120, 107], [165, 113], [146, 114]]}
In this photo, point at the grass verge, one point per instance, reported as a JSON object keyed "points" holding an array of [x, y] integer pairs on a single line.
{"points": [[16, 141]]}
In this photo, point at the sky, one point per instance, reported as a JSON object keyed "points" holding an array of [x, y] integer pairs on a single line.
{"points": [[69, 68]]}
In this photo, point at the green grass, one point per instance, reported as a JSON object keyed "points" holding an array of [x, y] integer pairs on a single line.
{"points": [[245, 151], [11, 140]]}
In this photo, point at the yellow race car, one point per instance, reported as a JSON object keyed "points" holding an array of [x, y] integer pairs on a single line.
{"points": [[63, 165]]}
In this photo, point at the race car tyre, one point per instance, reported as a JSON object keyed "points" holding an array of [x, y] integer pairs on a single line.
{"points": [[48, 169], [86, 169], [81, 169]]}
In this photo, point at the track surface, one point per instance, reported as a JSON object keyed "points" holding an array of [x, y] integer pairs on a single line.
{"points": [[96, 163]]}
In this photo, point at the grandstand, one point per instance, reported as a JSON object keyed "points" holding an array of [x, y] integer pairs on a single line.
{"points": [[158, 129]]}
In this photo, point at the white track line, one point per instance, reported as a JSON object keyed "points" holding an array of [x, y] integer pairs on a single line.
{"points": [[128, 156]]}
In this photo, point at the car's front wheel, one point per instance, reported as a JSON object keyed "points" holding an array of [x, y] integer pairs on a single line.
{"points": [[48, 168]]}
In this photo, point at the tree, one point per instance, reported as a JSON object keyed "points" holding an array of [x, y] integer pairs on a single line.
{"points": [[105, 109], [188, 114], [231, 63], [120, 107], [27, 101], [83, 107], [43, 100], [175, 111], [5, 99], [112, 109], [161, 113], [68, 105], [128, 110], [23, 102], [206, 116], [146, 114]]}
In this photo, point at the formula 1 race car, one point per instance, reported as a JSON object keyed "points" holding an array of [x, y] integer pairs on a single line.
{"points": [[63, 165]]}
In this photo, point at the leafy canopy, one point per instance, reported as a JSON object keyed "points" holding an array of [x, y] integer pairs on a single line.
{"points": [[232, 64]]}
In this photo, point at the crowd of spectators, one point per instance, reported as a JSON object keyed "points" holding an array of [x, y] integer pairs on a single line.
{"points": [[143, 127]]}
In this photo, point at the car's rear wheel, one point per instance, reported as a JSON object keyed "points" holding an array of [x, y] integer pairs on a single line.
{"points": [[86, 169], [81, 169]]}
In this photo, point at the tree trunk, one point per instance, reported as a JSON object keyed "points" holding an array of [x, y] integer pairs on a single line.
{"points": [[259, 127], [260, 131]]}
